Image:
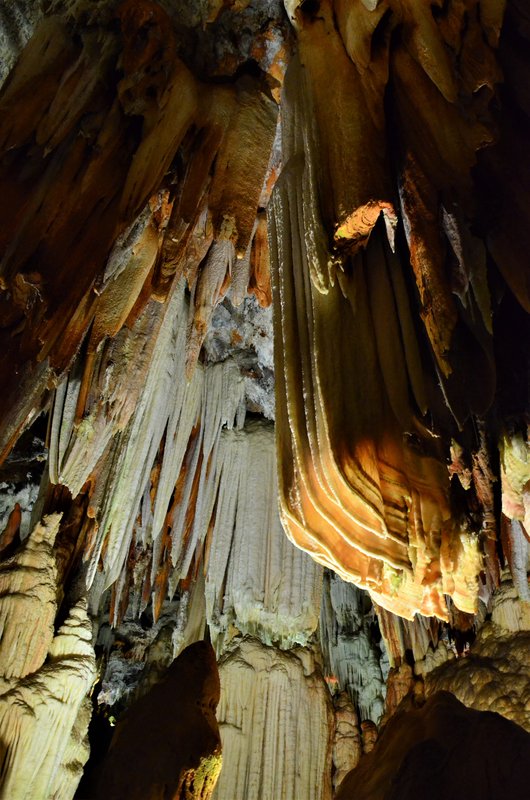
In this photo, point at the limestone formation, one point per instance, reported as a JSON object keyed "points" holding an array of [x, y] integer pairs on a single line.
{"points": [[276, 722], [353, 658], [256, 582], [46, 677], [263, 265], [347, 748], [494, 675], [113, 125], [364, 484]]}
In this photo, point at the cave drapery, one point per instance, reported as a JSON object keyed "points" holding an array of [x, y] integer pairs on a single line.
{"points": [[345, 516]]}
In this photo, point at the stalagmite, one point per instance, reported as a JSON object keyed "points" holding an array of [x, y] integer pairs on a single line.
{"points": [[28, 590], [347, 748], [45, 677], [275, 718]]}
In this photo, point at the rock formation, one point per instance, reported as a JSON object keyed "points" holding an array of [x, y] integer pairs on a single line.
{"points": [[276, 722], [263, 271], [177, 718], [367, 360], [443, 750], [45, 677], [495, 674]]}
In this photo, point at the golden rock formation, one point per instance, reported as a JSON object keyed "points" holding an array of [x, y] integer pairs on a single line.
{"points": [[390, 136]]}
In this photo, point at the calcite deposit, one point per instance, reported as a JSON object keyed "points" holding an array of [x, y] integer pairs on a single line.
{"points": [[113, 125], [382, 306], [264, 361], [280, 603], [45, 677], [494, 675], [276, 722]]}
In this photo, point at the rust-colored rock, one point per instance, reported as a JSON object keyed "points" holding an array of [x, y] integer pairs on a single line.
{"points": [[384, 112], [442, 750]]}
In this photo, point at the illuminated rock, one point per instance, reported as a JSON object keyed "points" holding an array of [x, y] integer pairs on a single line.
{"points": [[276, 722], [494, 674], [45, 677], [363, 481]]}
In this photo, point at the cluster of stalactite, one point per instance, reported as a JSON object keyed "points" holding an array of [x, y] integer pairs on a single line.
{"points": [[390, 309], [133, 201], [93, 116]]}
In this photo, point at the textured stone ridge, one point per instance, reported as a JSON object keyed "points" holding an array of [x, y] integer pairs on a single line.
{"points": [[46, 678]]}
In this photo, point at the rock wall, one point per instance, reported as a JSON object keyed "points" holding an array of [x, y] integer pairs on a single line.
{"points": [[440, 750]]}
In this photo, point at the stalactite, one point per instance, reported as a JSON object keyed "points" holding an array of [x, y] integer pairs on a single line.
{"points": [[351, 471], [161, 423], [371, 376], [140, 141], [350, 652], [401, 635], [113, 125], [256, 581]]}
